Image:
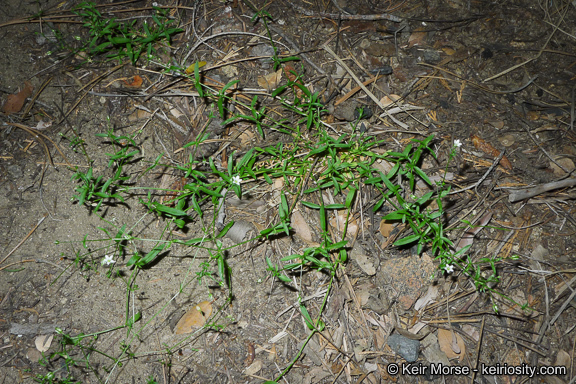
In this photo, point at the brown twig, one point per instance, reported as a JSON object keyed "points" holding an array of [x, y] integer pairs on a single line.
{"points": [[525, 193], [340, 16], [438, 68], [478, 350], [17, 262], [89, 86], [40, 135], [31, 103], [476, 184], [534, 58], [364, 88], [24, 239]]}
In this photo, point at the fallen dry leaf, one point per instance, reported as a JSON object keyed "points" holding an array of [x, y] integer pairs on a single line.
{"points": [[386, 228], [272, 354], [387, 100], [468, 237], [565, 162], [250, 355], [471, 331], [15, 102], [507, 140], [135, 83], [301, 226], [138, 114], [190, 69], [339, 223], [418, 37], [290, 73], [195, 318], [498, 124], [254, 368], [176, 113], [429, 297], [271, 80], [451, 344], [488, 149], [43, 342], [563, 359]]}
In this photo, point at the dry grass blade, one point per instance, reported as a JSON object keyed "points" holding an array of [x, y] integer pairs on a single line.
{"points": [[39, 135], [366, 90], [534, 58], [24, 239], [31, 103]]}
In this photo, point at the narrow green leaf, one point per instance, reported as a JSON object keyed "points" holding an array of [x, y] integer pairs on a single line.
{"points": [[133, 260], [407, 240], [151, 255], [425, 198], [209, 191], [423, 175], [306, 317], [310, 205], [134, 319], [335, 206], [225, 230], [197, 82], [337, 245], [222, 268], [350, 197], [168, 210]]}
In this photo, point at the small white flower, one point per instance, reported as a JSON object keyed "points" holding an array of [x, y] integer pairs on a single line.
{"points": [[457, 143], [236, 180], [108, 260], [449, 268]]}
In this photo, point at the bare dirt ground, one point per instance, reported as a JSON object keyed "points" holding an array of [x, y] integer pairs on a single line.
{"points": [[497, 77]]}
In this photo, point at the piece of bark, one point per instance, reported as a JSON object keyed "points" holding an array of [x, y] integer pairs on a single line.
{"points": [[525, 193]]}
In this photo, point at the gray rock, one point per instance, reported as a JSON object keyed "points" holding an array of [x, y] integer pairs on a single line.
{"points": [[405, 347], [263, 50], [15, 171], [346, 111]]}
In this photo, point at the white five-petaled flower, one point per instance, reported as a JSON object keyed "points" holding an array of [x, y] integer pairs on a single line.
{"points": [[449, 268], [108, 260], [457, 143], [236, 180]]}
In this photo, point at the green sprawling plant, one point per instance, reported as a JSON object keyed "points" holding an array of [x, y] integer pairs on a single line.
{"points": [[313, 164], [121, 39]]}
